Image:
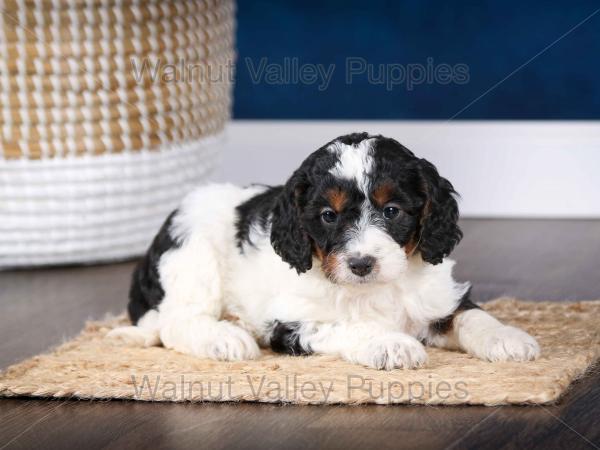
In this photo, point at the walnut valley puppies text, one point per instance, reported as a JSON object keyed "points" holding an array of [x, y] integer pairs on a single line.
{"points": [[296, 388]]}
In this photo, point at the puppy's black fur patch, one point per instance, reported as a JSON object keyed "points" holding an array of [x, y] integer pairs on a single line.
{"points": [[444, 326], [285, 338], [146, 291], [255, 211]]}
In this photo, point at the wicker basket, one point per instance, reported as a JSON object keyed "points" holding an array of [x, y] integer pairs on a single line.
{"points": [[110, 111]]}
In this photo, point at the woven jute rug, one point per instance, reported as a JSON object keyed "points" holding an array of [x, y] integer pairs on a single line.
{"points": [[93, 367]]}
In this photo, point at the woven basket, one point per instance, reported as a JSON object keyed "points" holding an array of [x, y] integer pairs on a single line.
{"points": [[110, 111]]}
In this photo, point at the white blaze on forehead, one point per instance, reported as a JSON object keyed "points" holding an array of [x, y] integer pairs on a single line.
{"points": [[367, 236], [354, 162]]}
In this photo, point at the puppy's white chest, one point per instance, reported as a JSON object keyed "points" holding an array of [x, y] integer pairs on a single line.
{"points": [[262, 289]]}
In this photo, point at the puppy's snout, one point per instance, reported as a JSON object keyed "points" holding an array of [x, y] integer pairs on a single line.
{"points": [[362, 265]]}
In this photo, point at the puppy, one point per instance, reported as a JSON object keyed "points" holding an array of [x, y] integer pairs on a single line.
{"points": [[347, 258]]}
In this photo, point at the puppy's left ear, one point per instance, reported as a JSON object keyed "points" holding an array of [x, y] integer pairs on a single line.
{"points": [[288, 237], [439, 231]]}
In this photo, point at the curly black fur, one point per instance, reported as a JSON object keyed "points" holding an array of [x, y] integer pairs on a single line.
{"points": [[255, 211], [428, 197], [288, 234], [439, 232]]}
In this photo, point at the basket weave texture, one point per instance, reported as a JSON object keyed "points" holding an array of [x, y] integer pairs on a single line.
{"points": [[110, 111]]}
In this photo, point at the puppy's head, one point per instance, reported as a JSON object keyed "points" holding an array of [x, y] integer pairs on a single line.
{"points": [[363, 205]]}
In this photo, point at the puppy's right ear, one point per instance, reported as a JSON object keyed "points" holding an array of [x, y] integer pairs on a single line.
{"points": [[288, 237]]}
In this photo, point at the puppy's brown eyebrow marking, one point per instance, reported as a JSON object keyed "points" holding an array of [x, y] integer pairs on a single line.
{"points": [[337, 198], [383, 193]]}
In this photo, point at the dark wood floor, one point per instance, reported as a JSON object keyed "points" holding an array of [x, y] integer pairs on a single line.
{"points": [[543, 260]]}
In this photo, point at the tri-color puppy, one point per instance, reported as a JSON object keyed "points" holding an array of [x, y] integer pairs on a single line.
{"points": [[347, 258]]}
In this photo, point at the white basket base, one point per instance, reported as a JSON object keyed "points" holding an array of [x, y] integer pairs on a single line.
{"points": [[94, 208]]}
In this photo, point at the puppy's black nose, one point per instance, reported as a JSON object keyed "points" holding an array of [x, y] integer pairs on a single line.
{"points": [[361, 266]]}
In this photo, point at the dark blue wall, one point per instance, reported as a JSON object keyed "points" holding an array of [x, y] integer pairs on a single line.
{"points": [[489, 38]]}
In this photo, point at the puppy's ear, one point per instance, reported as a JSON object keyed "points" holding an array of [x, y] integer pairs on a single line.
{"points": [[288, 237], [439, 231]]}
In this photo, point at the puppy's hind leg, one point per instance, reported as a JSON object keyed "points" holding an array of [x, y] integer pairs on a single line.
{"points": [[144, 334], [191, 311], [478, 333]]}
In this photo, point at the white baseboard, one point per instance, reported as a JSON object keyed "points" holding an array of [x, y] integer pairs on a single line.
{"points": [[500, 168]]}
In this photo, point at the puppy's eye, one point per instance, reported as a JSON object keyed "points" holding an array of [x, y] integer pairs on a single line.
{"points": [[328, 216], [391, 212]]}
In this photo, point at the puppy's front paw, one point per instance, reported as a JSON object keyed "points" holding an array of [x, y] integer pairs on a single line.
{"points": [[231, 343], [508, 343], [393, 350]]}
